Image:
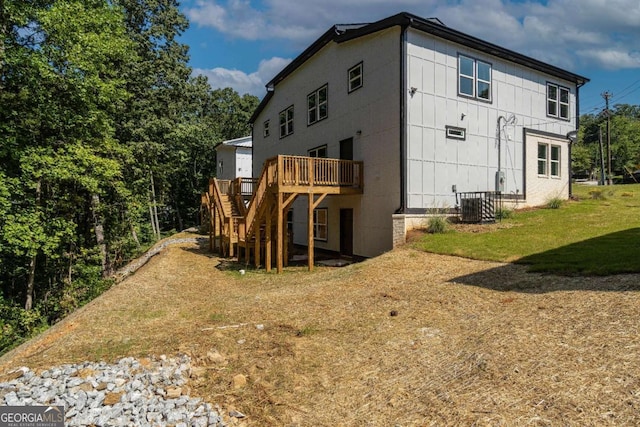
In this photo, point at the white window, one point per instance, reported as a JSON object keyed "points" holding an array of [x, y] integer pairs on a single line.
{"points": [[549, 160], [355, 77], [320, 221], [557, 101], [474, 78], [286, 122], [318, 105], [318, 152], [555, 161], [265, 130], [543, 158]]}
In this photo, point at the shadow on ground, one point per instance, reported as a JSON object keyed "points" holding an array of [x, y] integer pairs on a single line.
{"points": [[202, 249], [583, 265]]}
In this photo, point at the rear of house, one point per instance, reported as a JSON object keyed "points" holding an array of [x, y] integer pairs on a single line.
{"points": [[431, 112]]}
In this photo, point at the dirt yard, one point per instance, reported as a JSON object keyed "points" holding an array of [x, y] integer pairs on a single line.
{"points": [[406, 339]]}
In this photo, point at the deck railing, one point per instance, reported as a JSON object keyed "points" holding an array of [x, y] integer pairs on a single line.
{"points": [[244, 187], [313, 171]]}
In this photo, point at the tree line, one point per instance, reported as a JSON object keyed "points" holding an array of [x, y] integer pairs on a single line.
{"points": [[588, 155], [106, 141]]}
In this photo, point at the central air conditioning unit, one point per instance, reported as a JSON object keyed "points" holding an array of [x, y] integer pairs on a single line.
{"points": [[471, 209]]}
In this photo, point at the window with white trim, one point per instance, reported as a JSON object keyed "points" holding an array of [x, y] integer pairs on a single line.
{"points": [[555, 161], [286, 122], [317, 104], [318, 152], [265, 129], [557, 101], [320, 223], [543, 158], [355, 77], [474, 78], [549, 160]]}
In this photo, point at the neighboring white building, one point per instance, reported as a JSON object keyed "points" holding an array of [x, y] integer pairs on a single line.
{"points": [[233, 158], [430, 111]]}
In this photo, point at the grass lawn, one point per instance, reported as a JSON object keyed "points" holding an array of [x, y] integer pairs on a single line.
{"points": [[596, 234]]}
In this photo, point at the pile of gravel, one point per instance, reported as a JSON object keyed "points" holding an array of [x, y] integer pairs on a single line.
{"points": [[127, 393]]}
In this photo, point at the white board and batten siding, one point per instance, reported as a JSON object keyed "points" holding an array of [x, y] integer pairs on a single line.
{"points": [[369, 115], [436, 163]]}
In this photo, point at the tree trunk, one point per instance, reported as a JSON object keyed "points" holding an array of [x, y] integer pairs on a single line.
{"points": [[98, 228], [179, 217], [132, 228], [154, 216], [134, 235], [28, 305], [153, 223]]}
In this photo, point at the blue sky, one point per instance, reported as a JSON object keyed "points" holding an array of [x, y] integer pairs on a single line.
{"points": [[244, 43]]}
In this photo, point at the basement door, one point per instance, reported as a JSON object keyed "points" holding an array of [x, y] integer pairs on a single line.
{"points": [[346, 232]]}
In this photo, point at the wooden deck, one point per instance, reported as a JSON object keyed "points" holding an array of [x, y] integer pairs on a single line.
{"points": [[247, 214]]}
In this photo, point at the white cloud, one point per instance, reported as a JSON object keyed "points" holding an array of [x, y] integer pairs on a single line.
{"points": [[611, 58], [567, 33], [241, 82]]}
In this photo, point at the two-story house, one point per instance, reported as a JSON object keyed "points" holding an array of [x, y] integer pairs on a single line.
{"points": [[430, 112]]}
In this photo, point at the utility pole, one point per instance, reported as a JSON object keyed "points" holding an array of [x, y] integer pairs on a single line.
{"points": [[602, 180], [607, 95]]}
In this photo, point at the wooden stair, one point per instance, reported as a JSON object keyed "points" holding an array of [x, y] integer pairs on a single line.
{"points": [[282, 180]]}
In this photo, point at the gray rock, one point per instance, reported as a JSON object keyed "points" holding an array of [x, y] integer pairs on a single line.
{"points": [[11, 399], [81, 400], [142, 390]]}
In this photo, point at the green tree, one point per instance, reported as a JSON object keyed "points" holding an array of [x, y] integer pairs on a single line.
{"points": [[57, 151], [625, 140]]}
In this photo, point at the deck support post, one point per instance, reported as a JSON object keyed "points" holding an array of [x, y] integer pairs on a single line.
{"points": [[310, 233], [267, 240], [212, 226], [256, 249], [212, 217], [280, 235], [230, 229], [285, 228]]}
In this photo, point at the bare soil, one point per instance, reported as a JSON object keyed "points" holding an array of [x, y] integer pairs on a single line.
{"points": [[408, 338]]}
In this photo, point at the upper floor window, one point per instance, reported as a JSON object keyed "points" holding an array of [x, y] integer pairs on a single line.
{"points": [[557, 101], [265, 129], [318, 152], [355, 77], [318, 105], [474, 78], [286, 122]]}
